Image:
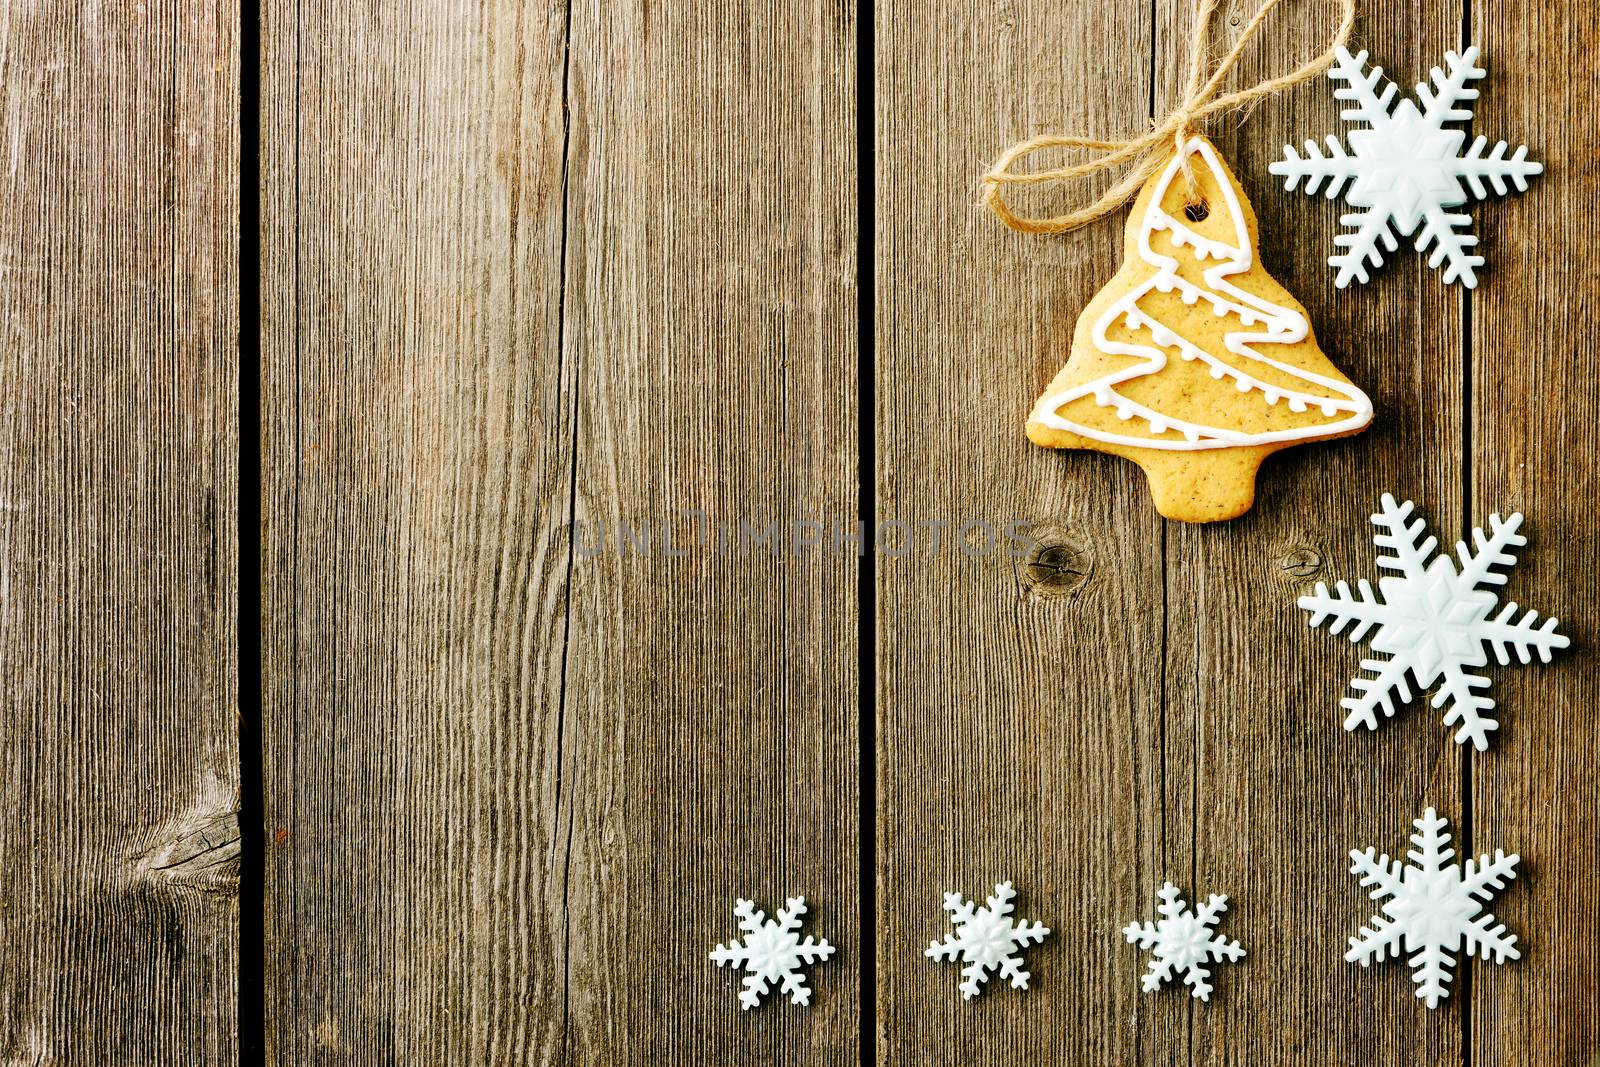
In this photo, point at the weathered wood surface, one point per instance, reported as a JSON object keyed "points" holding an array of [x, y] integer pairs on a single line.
{"points": [[1019, 724], [1155, 707], [534, 272], [1535, 359], [118, 534], [527, 266], [1275, 792]]}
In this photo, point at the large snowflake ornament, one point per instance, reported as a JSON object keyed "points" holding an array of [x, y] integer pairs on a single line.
{"points": [[1183, 941], [1407, 169], [772, 952], [986, 939], [1433, 622], [1432, 906]]}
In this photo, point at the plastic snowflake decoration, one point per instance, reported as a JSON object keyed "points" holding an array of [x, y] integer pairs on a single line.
{"points": [[1433, 622], [986, 938], [1183, 941], [1407, 169], [1432, 907], [772, 952]]}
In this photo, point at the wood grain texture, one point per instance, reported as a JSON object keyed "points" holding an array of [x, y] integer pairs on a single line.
{"points": [[1019, 704], [416, 462], [711, 710], [1166, 713], [533, 273], [1274, 790], [1535, 378], [118, 534]]}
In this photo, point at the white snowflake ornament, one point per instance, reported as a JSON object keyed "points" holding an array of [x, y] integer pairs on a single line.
{"points": [[1433, 622], [772, 952], [1183, 941], [986, 939], [1407, 169], [1432, 906]]}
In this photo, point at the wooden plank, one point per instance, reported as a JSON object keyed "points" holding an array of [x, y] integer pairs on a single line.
{"points": [[420, 425], [1228, 761], [118, 536], [416, 444], [1020, 718], [1275, 790], [1535, 363], [514, 789], [712, 697]]}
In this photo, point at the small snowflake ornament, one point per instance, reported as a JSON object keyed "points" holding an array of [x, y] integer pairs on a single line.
{"points": [[1432, 906], [1183, 941], [986, 938], [1407, 169], [772, 952], [1433, 622]]}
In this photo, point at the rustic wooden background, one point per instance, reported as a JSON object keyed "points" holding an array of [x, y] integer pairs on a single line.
{"points": [[531, 270], [119, 463]]}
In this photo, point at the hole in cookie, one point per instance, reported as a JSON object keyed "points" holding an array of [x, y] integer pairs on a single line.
{"points": [[1196, 212]]}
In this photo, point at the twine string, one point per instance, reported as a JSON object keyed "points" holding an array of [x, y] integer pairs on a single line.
{"points": [[1151, 149]]}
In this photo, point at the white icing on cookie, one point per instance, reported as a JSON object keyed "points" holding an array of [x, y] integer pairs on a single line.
{"points": [[1276, 325]]}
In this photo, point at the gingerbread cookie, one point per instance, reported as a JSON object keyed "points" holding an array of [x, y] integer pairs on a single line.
{"points": [[1193, 361]]}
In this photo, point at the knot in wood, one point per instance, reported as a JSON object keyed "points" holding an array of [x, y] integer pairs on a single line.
{"points": [[200, 854], [1059, 563], [1302, 561]]}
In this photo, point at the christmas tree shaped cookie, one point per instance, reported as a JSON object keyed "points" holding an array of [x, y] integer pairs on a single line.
{"points": [[1193, 362]]}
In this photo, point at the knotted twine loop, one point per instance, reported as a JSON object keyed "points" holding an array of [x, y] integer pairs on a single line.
{"points": [[1152, 149]]}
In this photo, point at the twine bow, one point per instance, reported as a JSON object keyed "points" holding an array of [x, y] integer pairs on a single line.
{"points": [[1152, 149]]}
